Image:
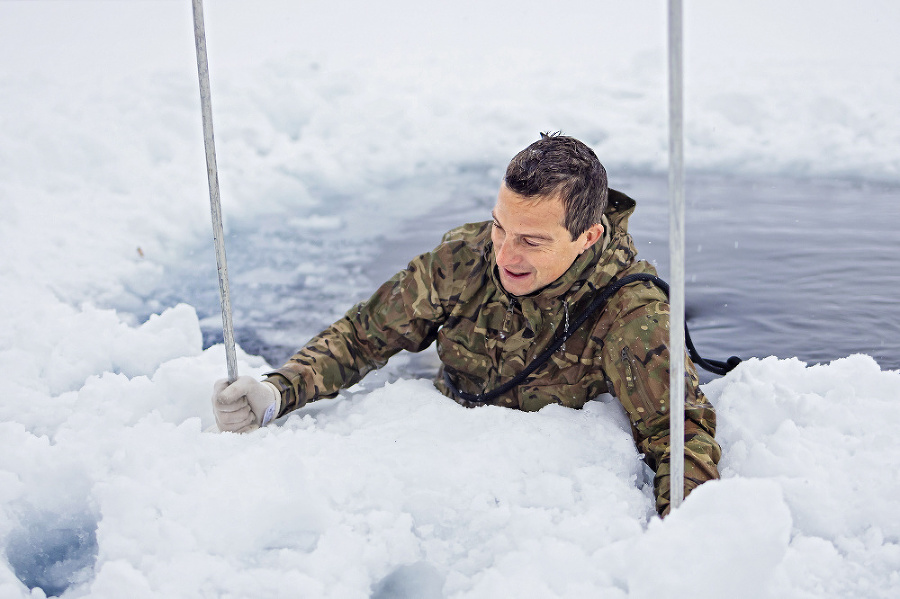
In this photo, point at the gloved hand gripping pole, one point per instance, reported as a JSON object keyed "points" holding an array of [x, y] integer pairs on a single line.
{"points": [[213, 177]]}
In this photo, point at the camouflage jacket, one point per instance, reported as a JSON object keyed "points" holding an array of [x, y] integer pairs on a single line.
{"points": [[484, 336]]}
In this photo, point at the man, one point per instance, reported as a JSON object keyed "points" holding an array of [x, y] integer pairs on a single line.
{"points": [[495, 295]]}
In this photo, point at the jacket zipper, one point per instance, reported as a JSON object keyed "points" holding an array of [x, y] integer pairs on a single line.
{"points": [[629, 372], [507, 319]]}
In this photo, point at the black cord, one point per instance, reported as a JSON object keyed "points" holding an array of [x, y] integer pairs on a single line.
{"points": [[714, 366]]}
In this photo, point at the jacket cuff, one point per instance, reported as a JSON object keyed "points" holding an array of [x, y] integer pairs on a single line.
{"points": [[290, 396], [276, 395]]}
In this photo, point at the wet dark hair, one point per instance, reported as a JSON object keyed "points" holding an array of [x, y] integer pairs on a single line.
{"points": [[557, 164]]}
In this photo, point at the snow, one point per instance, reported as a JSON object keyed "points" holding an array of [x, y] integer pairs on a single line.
{"points": [[108, 484]]}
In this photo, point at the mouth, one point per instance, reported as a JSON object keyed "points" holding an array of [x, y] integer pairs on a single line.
{"points": [[515, 276]]}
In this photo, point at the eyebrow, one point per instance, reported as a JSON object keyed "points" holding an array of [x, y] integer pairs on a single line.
{"points": [[537, 236]]}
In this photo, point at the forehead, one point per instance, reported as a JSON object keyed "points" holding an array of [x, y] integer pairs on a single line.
{"points": [[540, 213]]}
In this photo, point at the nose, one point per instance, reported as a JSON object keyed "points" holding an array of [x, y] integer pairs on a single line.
{"points": [[506, 253]]}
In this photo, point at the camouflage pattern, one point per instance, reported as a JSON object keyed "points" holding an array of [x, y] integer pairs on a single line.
{"points": [[452, 295]]}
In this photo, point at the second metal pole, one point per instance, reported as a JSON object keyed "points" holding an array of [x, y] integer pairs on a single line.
{"points": [[676, 258], [213, 177]]}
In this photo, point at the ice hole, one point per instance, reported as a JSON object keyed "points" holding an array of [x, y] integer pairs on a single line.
{"points": [[420, 580], [53, 553]]}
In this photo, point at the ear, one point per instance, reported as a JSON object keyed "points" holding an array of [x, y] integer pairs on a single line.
{"points": [[592, 235]]}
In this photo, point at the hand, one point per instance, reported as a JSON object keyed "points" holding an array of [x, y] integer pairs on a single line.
{"points": [[244, 405]]}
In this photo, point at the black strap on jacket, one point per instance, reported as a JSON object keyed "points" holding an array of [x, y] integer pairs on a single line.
{"points": [[714, 366]]}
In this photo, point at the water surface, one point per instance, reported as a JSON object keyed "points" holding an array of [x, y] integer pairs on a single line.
{"points": [[786, 267]]}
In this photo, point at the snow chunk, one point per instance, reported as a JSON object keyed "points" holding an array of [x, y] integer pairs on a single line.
{"points": [[725, 541]]}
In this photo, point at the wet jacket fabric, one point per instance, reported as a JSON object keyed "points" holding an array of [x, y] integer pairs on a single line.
{"points": [[452, 295]]}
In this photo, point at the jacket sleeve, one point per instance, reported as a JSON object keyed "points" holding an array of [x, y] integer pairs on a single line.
{"points": [[635, 358], [404, 313]]}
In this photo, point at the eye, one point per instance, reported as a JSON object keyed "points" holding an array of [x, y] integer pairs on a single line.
{"points": [[530, 243]]}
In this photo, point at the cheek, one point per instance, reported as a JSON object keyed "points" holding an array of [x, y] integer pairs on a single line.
{"points": [[558, 263], [542, 263]]}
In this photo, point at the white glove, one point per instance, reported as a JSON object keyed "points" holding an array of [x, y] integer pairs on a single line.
{"points": [[244, 405]]}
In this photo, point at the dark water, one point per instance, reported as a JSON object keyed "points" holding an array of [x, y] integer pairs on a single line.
{"points": [[775, 266], [804, 268]]}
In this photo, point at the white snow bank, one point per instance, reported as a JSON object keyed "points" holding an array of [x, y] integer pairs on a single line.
{"points": [[732, 534], [113, 488], [825, 435]]}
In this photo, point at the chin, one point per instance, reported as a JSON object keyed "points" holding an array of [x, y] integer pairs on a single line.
{"points": [[518, 288]]}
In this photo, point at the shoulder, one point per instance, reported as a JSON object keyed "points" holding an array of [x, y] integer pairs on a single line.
{"points": [[463, 247], [472, 234], [448, 268], [636, 298]]}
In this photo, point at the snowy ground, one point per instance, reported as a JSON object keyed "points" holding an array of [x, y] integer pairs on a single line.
{"points": [[109, 487]]}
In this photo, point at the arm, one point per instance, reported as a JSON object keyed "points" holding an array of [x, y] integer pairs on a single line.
{"points": [[635, 358], [404, 313]]}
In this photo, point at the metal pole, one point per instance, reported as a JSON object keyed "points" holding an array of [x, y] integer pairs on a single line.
{"points": [[213, 177], [676, 258]]}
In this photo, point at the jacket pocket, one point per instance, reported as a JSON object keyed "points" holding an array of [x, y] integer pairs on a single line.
{"points": [[633, 394]]}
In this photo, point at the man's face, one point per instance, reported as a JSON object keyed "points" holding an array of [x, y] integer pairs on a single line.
{"points": [[532, 248]]}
